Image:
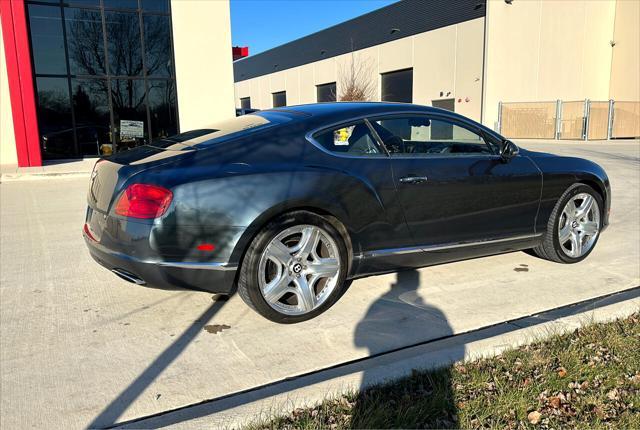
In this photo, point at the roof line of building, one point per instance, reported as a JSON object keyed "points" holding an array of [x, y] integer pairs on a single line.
{"points": [[395, 21]]}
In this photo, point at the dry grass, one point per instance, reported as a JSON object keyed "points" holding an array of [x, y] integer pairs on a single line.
{"points": [[586, 379]]}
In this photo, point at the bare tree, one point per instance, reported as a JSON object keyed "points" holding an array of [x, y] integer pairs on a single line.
{"points": [[355, 80]]}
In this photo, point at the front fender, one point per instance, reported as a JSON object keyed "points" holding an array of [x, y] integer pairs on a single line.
{"points": [[559, 173]]}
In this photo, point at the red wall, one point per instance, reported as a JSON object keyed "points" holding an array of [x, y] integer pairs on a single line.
{"points": [[21, 88]]}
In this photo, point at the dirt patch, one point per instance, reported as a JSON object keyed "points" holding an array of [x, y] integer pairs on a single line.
{"points": [[216, 328]]}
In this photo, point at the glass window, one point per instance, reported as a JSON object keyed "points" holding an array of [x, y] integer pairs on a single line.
{"points": [[54, 117], [47, 41], [123, 43], [83, 2], [245, 102], [91, 110], [232, 127], [157, 45], [279, 99], [94, 95], [129, 113], [85, 41], [355, 139], [162, 108], [398, 86], [421, 136], [121, 4], [326, 92], [156, 5]]}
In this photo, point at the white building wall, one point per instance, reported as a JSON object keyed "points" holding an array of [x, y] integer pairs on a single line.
{"points": [[625, 64], [541, 50], [204, 70]]}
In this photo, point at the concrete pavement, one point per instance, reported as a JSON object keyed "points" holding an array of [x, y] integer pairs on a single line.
{"points": [[81, 347]]}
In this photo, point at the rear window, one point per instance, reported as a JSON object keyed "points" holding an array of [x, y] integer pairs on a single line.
{"points": [[232, 127]]}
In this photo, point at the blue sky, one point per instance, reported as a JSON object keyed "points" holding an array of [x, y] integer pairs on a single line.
{"points": [[265, 24]]}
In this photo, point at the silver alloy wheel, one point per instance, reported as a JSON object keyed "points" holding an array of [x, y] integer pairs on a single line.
{"points": [[299, 269], [579, 225]]}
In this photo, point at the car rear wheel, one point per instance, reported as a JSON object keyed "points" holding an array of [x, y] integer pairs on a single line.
{"points": [[294, 269], [574, 226]]}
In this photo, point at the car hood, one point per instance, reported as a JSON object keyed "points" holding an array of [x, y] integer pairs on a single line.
{"points": [[529, 153]]}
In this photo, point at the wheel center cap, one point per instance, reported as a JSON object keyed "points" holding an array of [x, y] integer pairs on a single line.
{"points": [[574, 224], [297, 268]]}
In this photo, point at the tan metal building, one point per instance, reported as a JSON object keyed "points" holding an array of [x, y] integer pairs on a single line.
{"points": [[466, 55]]}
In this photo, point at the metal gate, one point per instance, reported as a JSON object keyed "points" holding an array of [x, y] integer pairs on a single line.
{"points": [[575, 120], [626, 120], [572, 120], [598, 120], [528, 120]]}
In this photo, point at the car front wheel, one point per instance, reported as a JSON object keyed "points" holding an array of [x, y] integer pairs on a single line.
{"points": [[294, 269], [574, 226]]}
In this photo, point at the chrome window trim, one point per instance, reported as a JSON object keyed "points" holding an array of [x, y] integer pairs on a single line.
{"points": [[443, 247], [439, 117], [383, 155], [344, 122]]}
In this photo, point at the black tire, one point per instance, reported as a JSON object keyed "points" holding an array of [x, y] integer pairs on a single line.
{"points": [[248, 284], [550, 248]]}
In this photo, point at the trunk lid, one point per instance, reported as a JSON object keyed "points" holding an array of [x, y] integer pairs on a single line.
{"points": [[109, 174]]}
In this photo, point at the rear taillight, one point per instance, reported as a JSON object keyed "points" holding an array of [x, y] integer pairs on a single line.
{"points": [[144, 201]]}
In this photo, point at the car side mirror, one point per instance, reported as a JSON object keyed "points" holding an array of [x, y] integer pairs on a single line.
{"points": [[508, 150]]}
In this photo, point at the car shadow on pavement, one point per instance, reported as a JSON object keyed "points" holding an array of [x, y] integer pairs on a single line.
{"points": [[109, 416], [384, 406], [382, 330]]}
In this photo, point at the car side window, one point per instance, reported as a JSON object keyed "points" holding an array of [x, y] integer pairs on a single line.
{"points": [[355, 139], [424, 137]]}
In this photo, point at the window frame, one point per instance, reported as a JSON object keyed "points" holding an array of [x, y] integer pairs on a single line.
{"points": [[392, 72], [273, 99], [334, 84], [439, 117], [64, 6], [310, 136]]}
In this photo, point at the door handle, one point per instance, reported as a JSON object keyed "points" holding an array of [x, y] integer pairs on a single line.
{"points": [[413, 179]]}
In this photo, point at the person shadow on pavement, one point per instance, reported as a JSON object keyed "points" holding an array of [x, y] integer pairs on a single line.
{"points": [[425, 399]]}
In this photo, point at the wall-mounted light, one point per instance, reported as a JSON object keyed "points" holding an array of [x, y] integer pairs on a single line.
{"points": [[394, 30], [508, 1], [612, 43], [323, 52]]}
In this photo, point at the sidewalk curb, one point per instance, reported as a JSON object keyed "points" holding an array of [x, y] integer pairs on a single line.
{"points": [[281, 397]]}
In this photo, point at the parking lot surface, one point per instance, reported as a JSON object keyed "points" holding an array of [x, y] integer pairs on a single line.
{"points": [[81, 347]]}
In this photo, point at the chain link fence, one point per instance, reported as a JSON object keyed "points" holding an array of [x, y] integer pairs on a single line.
{"points": [[528, 120], [574, 120]]}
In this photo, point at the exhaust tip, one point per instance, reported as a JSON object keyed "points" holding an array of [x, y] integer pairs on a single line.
{"points": [[128, 276]]}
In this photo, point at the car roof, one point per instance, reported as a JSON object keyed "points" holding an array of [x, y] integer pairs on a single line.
{"points": [[336, 111], [318, 114], [354, 108]]}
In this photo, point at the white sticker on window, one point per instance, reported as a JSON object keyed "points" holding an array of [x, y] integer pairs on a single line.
{"points": [[342, 135]]}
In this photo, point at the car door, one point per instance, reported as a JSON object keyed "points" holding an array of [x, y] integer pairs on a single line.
{"points": [[453, 186], [367, 191]]}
